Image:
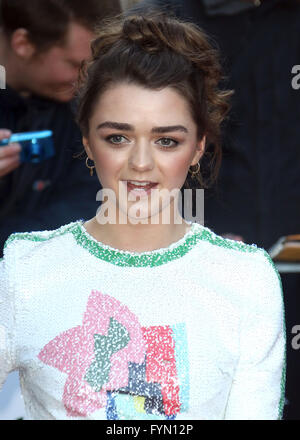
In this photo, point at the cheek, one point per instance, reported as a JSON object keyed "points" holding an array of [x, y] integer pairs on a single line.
{"points": [[177, 167], [62, 74], [107, 163], [57, 72], [45, 76]]}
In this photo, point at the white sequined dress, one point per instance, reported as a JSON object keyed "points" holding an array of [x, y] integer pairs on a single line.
{"points": [[189, 332]]}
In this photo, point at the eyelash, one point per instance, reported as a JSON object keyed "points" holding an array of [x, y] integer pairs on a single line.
{"points": [[108, 139], [172, 146]]}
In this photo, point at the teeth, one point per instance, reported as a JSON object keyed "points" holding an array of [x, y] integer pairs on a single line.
{"points": [[140, 184]]}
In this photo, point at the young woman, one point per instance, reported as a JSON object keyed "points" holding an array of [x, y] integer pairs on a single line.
{"points": [[135, 314]]}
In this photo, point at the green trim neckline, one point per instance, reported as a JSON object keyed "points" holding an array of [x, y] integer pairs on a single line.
{"points": [[156, 257], [120, 257]]}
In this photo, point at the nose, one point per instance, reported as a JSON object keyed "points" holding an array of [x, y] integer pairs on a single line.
{"points": [[141, 157], [74, 74], [71, 73]]}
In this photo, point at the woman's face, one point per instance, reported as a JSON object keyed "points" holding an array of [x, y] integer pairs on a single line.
{"points": [[138, 134]]}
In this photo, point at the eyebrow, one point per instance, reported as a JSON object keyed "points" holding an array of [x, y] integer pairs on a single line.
{"points": [[128, 127]]}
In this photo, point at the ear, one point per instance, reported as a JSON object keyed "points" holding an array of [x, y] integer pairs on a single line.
{"points": [[87, 147], [21, 44], [199, 151]]}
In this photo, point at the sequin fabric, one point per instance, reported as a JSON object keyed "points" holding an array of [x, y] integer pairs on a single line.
{"points": [[192, 331]]}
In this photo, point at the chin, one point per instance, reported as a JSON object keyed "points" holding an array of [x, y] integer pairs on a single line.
{"points": [[62, 97], [57, 96]]}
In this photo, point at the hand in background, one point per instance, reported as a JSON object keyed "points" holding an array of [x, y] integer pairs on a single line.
{"points": [[9, 155]]}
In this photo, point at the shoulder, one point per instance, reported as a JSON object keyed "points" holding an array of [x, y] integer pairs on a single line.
{"points": [[36, 257], [226, 243], [231, 250], [20, 245], [251, 265], [246, 276]]}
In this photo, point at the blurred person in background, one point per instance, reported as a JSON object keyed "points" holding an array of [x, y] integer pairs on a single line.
{"points": [[42, 45], [257, 197]]}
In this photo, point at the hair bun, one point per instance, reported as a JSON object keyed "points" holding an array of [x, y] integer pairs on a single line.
{"points": [[144, 33]]}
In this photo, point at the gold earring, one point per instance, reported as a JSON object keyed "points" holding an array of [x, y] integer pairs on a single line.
{"points": [[194, 173], [90, 168]]}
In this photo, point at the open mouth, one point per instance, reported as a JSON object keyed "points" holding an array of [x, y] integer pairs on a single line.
{"points": [[141, 190]]}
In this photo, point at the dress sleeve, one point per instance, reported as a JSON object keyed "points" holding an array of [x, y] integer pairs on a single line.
{"points": [[7, 346], [258, 386]]}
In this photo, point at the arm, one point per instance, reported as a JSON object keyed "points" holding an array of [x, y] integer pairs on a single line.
{"points": [[7, 351], [258, 386]]}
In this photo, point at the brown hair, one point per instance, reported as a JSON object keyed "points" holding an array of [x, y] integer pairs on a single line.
{"points": [[156, 51], [47, 20]]}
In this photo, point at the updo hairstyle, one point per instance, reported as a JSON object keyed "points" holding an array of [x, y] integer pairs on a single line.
{"points": [[155, 50]]}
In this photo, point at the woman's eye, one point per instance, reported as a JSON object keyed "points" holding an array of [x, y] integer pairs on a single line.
{"points": [[166, 142], [115, 139]]}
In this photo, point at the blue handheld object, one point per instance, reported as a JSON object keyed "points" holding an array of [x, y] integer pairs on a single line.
{"points": [[36, 145]]}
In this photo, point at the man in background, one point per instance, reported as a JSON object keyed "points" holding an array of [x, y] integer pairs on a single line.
{"points": [[42, 45]]}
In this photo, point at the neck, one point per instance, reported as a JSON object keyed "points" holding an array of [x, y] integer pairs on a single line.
{"points": [[138, 237]]}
